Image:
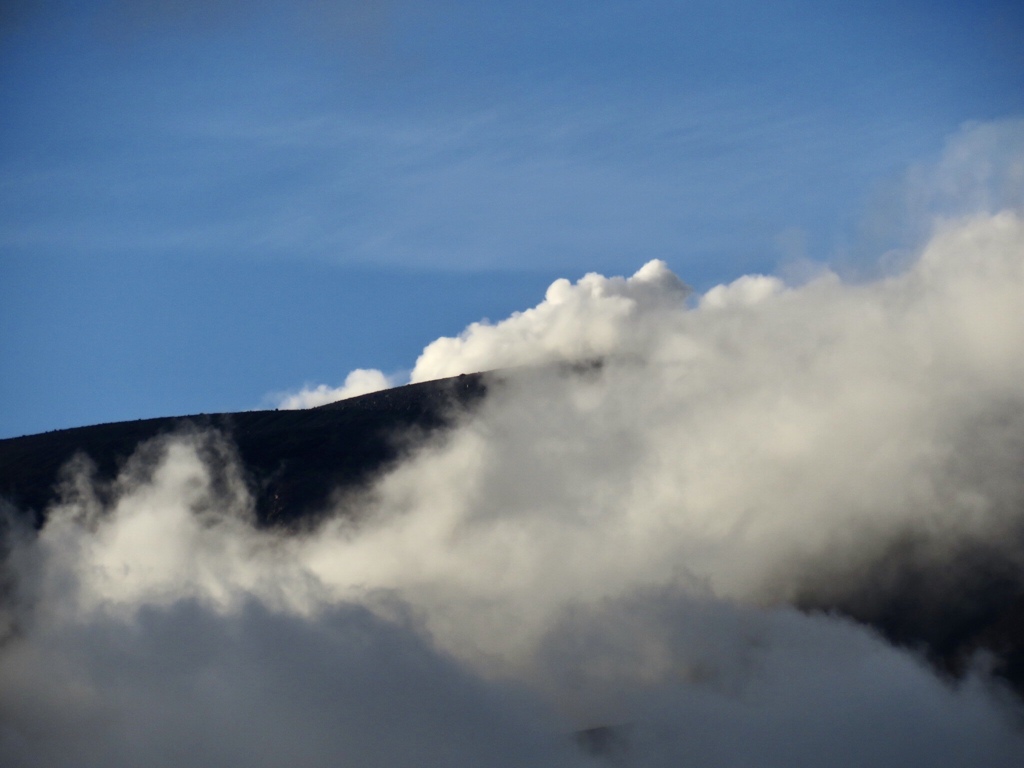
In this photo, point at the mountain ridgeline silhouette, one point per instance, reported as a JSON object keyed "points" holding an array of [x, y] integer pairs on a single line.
{"points": [[294, 460]]}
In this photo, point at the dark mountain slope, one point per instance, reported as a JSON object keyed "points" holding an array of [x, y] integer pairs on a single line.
{"points": [[293, 460]]}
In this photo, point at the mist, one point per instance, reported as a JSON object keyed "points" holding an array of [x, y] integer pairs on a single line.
{"points": [[708, 526]]}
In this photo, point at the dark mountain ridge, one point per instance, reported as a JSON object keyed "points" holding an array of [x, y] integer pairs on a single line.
{"points": [[293, 460]]}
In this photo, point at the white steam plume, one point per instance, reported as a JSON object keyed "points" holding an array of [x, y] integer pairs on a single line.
{"points": [[722, 449], [595, 317]]}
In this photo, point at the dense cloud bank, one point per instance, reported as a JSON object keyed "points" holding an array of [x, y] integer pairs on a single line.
{"points": [[623, 541]]}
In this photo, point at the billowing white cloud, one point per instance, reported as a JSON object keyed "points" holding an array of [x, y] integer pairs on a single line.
{"points": [[729, 446], [618, 542], [620, 534], [595, 317]]}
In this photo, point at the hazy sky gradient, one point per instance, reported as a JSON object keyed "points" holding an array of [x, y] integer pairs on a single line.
{"points": [[202, 204]]}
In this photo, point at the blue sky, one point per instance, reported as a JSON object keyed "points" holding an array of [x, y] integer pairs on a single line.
{"points": [[204, 203]]}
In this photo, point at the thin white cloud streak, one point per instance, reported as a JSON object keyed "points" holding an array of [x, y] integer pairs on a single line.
{"points": [[573, 180], [598, 544]]}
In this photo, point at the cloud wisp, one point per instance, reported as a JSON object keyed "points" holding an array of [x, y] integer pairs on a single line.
{"points": [[361, 381]]}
